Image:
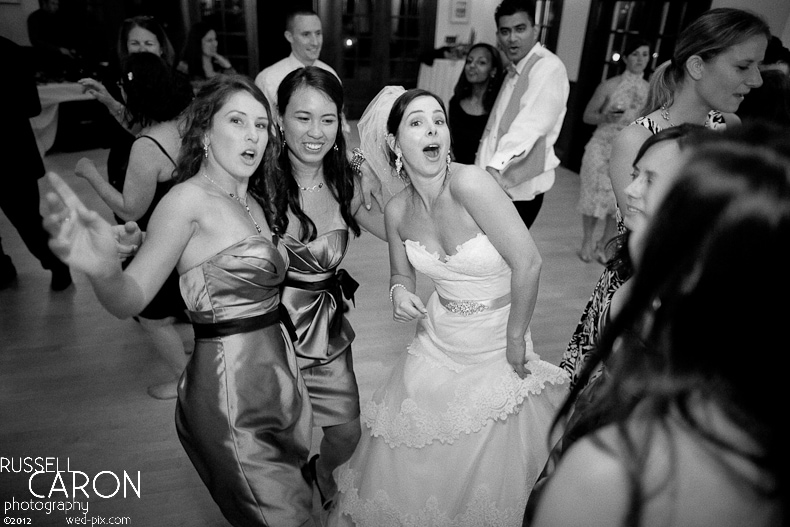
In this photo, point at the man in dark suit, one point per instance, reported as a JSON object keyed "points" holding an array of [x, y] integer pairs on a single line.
{"points": [[19, 197]]}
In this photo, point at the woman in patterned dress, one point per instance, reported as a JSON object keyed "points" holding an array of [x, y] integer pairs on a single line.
{"points": [[615, 103], [715, 64]]}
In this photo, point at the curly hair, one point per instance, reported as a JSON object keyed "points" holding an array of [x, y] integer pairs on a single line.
{"points": [[337, 170], [268, 179]]}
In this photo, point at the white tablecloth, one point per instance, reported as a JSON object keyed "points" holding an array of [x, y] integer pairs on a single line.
{"points": [[441, 78], [45, 124]]}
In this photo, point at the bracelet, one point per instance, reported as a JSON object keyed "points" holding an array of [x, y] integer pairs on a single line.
{"points": [[356, 160], [393, 288]]}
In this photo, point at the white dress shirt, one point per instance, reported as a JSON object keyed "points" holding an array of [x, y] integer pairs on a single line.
{"points": [[541, 112]]}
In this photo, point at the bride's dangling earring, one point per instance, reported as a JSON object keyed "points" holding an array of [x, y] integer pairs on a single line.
{"points": [[399, 165]]}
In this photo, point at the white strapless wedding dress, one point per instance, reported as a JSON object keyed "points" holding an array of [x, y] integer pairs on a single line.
{"points": [[454, 437]]}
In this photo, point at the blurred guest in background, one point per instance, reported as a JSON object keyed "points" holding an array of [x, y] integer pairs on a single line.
{"points": [[19, 199], [615, 103], [473, 98], [200, 60]]}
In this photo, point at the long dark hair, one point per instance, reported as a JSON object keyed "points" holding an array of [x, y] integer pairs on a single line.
{"points": [[337, 170], [463, 87], [193, 51], [153, 93], [267, 182], [714, 248]]}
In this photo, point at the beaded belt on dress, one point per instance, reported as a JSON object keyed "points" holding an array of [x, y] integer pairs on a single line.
{"points": [[472, 307]]}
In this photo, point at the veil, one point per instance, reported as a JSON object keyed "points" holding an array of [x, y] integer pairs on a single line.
{"points": [[372, 128]]}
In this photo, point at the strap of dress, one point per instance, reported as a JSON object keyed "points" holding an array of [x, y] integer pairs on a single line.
{"points": [[157, 143]]}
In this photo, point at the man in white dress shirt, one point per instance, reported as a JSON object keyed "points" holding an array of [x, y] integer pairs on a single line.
{"points": [[517, 147], [303, 32]]}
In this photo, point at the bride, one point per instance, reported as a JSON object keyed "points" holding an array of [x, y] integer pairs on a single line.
{"points": [[459, 432]]}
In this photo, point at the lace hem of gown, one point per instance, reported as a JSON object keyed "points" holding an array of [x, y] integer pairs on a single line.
{"points": [[481, 511], [467, 413]]}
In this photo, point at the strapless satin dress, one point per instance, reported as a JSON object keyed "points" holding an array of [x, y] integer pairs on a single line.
{"points": [[313, 295], [243, 415]]}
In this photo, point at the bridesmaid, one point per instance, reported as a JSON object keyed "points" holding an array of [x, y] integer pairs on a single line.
{"points": [[324, 207], [242, 415]]}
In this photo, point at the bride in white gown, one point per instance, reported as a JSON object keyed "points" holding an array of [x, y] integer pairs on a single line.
{"points": [[458, 434]]}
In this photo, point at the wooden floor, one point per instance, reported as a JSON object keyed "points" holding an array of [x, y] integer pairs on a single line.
{"points": [[73, 377]]}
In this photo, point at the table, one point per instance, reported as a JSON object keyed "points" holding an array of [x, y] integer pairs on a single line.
{"points": [[45, 124], [441, 78]]}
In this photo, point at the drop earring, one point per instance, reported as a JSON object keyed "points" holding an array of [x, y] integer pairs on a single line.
{"points": [[335, 148], [205, 149], [449, 160], [399, 164]]}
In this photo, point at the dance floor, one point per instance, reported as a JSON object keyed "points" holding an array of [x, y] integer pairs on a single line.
{"points": [[73, 378]]}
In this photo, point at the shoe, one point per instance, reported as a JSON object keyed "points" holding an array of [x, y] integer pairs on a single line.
{"points": [[326, 504], [61, 278], [7, 272]]}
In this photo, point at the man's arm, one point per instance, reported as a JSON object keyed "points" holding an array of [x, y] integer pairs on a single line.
{"points": [[540, 107]]}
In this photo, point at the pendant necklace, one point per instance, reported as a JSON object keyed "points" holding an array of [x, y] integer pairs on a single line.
{"points": [[241, 202], [666, 117]]}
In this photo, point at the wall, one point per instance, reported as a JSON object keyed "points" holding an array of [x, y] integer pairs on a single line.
{"points": [[775, 12], [13, 20]]}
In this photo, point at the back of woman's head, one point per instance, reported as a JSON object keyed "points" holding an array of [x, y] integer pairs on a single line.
{"points": [[769, 102], [710, 274], [197, 122], [148, 23], [710, 35], [153, 93]]}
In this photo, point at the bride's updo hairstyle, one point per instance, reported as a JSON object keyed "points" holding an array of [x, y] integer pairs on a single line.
{"points": [[710, 35]]}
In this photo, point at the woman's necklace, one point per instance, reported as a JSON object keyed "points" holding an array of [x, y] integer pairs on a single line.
{"points": [[665, 115], [241, 202], [315, 188]]}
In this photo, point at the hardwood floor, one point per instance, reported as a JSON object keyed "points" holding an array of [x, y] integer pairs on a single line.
{"points": [[73, 377]]}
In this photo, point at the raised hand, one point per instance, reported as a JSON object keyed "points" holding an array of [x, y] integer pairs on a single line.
{"points": [[128, 238], [81, 238], [98, 91]]}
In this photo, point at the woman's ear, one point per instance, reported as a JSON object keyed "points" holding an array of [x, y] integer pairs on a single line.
{"points": [[392, 143], [695, 67]]}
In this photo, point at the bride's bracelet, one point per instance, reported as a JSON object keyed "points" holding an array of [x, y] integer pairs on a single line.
{"points": [[393, 288]]}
